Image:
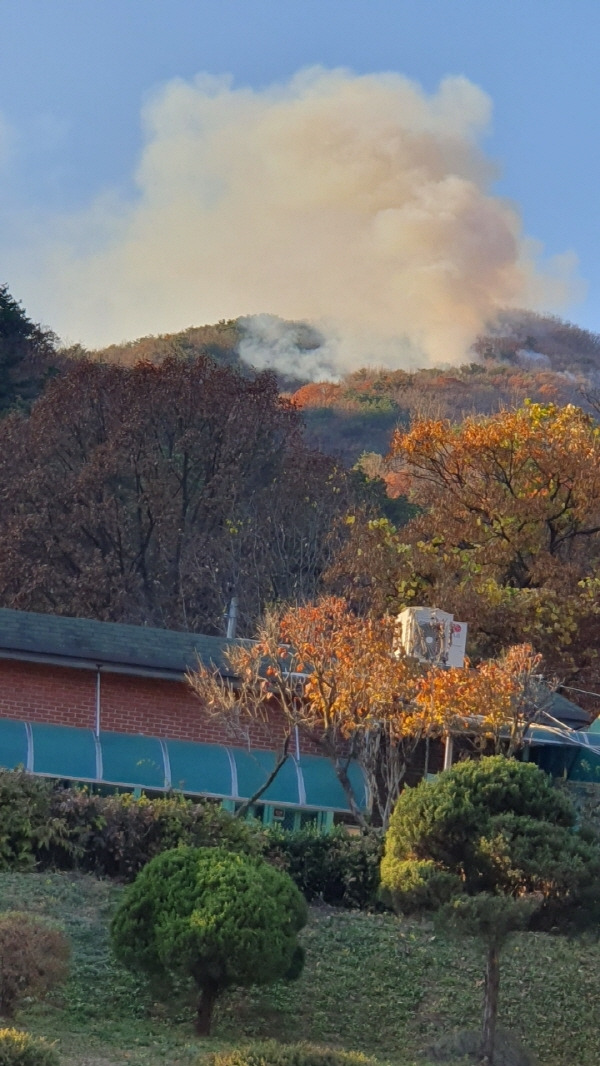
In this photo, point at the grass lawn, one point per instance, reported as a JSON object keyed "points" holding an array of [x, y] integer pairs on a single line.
{"points": [[371, 983]]}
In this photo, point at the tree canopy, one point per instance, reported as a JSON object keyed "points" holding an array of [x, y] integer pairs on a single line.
{"points": [[344, 682], [507, 536], [492, 846], [218, 917], [27, 353], [154, 494]]}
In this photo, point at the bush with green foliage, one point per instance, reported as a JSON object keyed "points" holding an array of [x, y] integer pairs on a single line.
{"points": [[271, 1053], [491, 845], [48, 826], [27, 826], [336, 867], [115, 836], [21, 1049], [444, 821], [213, 916], [34, 959]]}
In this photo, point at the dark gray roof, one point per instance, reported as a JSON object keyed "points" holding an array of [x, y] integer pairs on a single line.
{"points": [[567, 712], [144, 649], [24, 634]]}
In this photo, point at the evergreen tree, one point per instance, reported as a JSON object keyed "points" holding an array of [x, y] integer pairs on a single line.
{"points": [[492, 847], [217, 917], [27, 354]]}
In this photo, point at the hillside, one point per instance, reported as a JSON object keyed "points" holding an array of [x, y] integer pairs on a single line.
{"points": [[372, 982], [524, 356]]}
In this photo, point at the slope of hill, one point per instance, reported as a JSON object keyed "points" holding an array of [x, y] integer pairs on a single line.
{"points": [[220, 342], [525, 355], [560, 346], [372, 982], [358, 414]]}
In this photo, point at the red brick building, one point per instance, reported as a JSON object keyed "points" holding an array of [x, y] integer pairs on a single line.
{"points": [[108, 703]]}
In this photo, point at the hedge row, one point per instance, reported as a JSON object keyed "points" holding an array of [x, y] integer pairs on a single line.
{"points": [[48, 827]]}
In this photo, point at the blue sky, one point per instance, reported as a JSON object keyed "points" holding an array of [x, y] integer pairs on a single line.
{"points": [[75, 76]]}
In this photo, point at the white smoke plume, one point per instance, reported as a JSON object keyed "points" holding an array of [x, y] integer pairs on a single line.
{"points": [[361, 205], [268, 342]]}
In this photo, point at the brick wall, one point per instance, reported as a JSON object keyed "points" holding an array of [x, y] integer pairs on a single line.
{"points": [[60, 695], [49, 694]]}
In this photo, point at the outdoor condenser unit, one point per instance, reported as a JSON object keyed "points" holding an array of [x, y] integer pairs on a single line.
{"points": [[432, 636]]}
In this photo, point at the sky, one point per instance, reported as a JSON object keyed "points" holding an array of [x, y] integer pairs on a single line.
{"points": [[394, 172]]}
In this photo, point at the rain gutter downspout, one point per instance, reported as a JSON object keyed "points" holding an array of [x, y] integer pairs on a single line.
{"points": [[98, 704]]}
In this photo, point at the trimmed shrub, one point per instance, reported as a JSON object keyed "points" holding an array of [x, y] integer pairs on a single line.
{"points": [[25, 824], [33, 959], [444, 820], [270, 1053], [115, 836], [21, 1049], [336, 867], [506, 836], [417, 885], [215, 916]]}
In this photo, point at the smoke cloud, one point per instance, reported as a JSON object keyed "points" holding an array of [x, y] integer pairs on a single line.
{"points": [[360, 205]]}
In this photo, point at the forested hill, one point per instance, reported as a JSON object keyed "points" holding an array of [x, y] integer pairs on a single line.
{"points": [[154, 483], [525, 356]]}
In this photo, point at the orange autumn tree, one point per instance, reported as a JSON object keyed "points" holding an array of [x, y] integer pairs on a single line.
{"points": [[497, 701], [336, 678], [341, 681], [357, 697], [519, 490], [508, 534]]}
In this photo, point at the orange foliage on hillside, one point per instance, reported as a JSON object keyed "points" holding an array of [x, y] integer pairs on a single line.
{"points": [[317, 394]]}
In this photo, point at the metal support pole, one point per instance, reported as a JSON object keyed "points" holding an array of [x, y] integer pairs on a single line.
{"points": [[448, 751], [97, 721], [232, 618]]}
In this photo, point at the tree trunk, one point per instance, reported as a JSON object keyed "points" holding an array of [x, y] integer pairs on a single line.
{"points": [[345, 782], [206, 1005], [490, 1003], [281, 760]]}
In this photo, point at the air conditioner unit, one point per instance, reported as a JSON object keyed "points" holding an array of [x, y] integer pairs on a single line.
{"points": [[432, 636]]}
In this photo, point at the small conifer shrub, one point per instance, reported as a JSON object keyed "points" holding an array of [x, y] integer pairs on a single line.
{"points": [[218, 917]]}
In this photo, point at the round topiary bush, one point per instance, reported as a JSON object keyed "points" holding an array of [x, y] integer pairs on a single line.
{"points": [[270, 1053], [21, 1049], [218, 917], [443, 821]]}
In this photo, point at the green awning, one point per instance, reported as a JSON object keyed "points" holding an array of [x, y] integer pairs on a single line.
{"points": [[131, 759], [201, 768], [62, 752], [13, 744], [253, 768], [322, 788], [136, 761]]}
